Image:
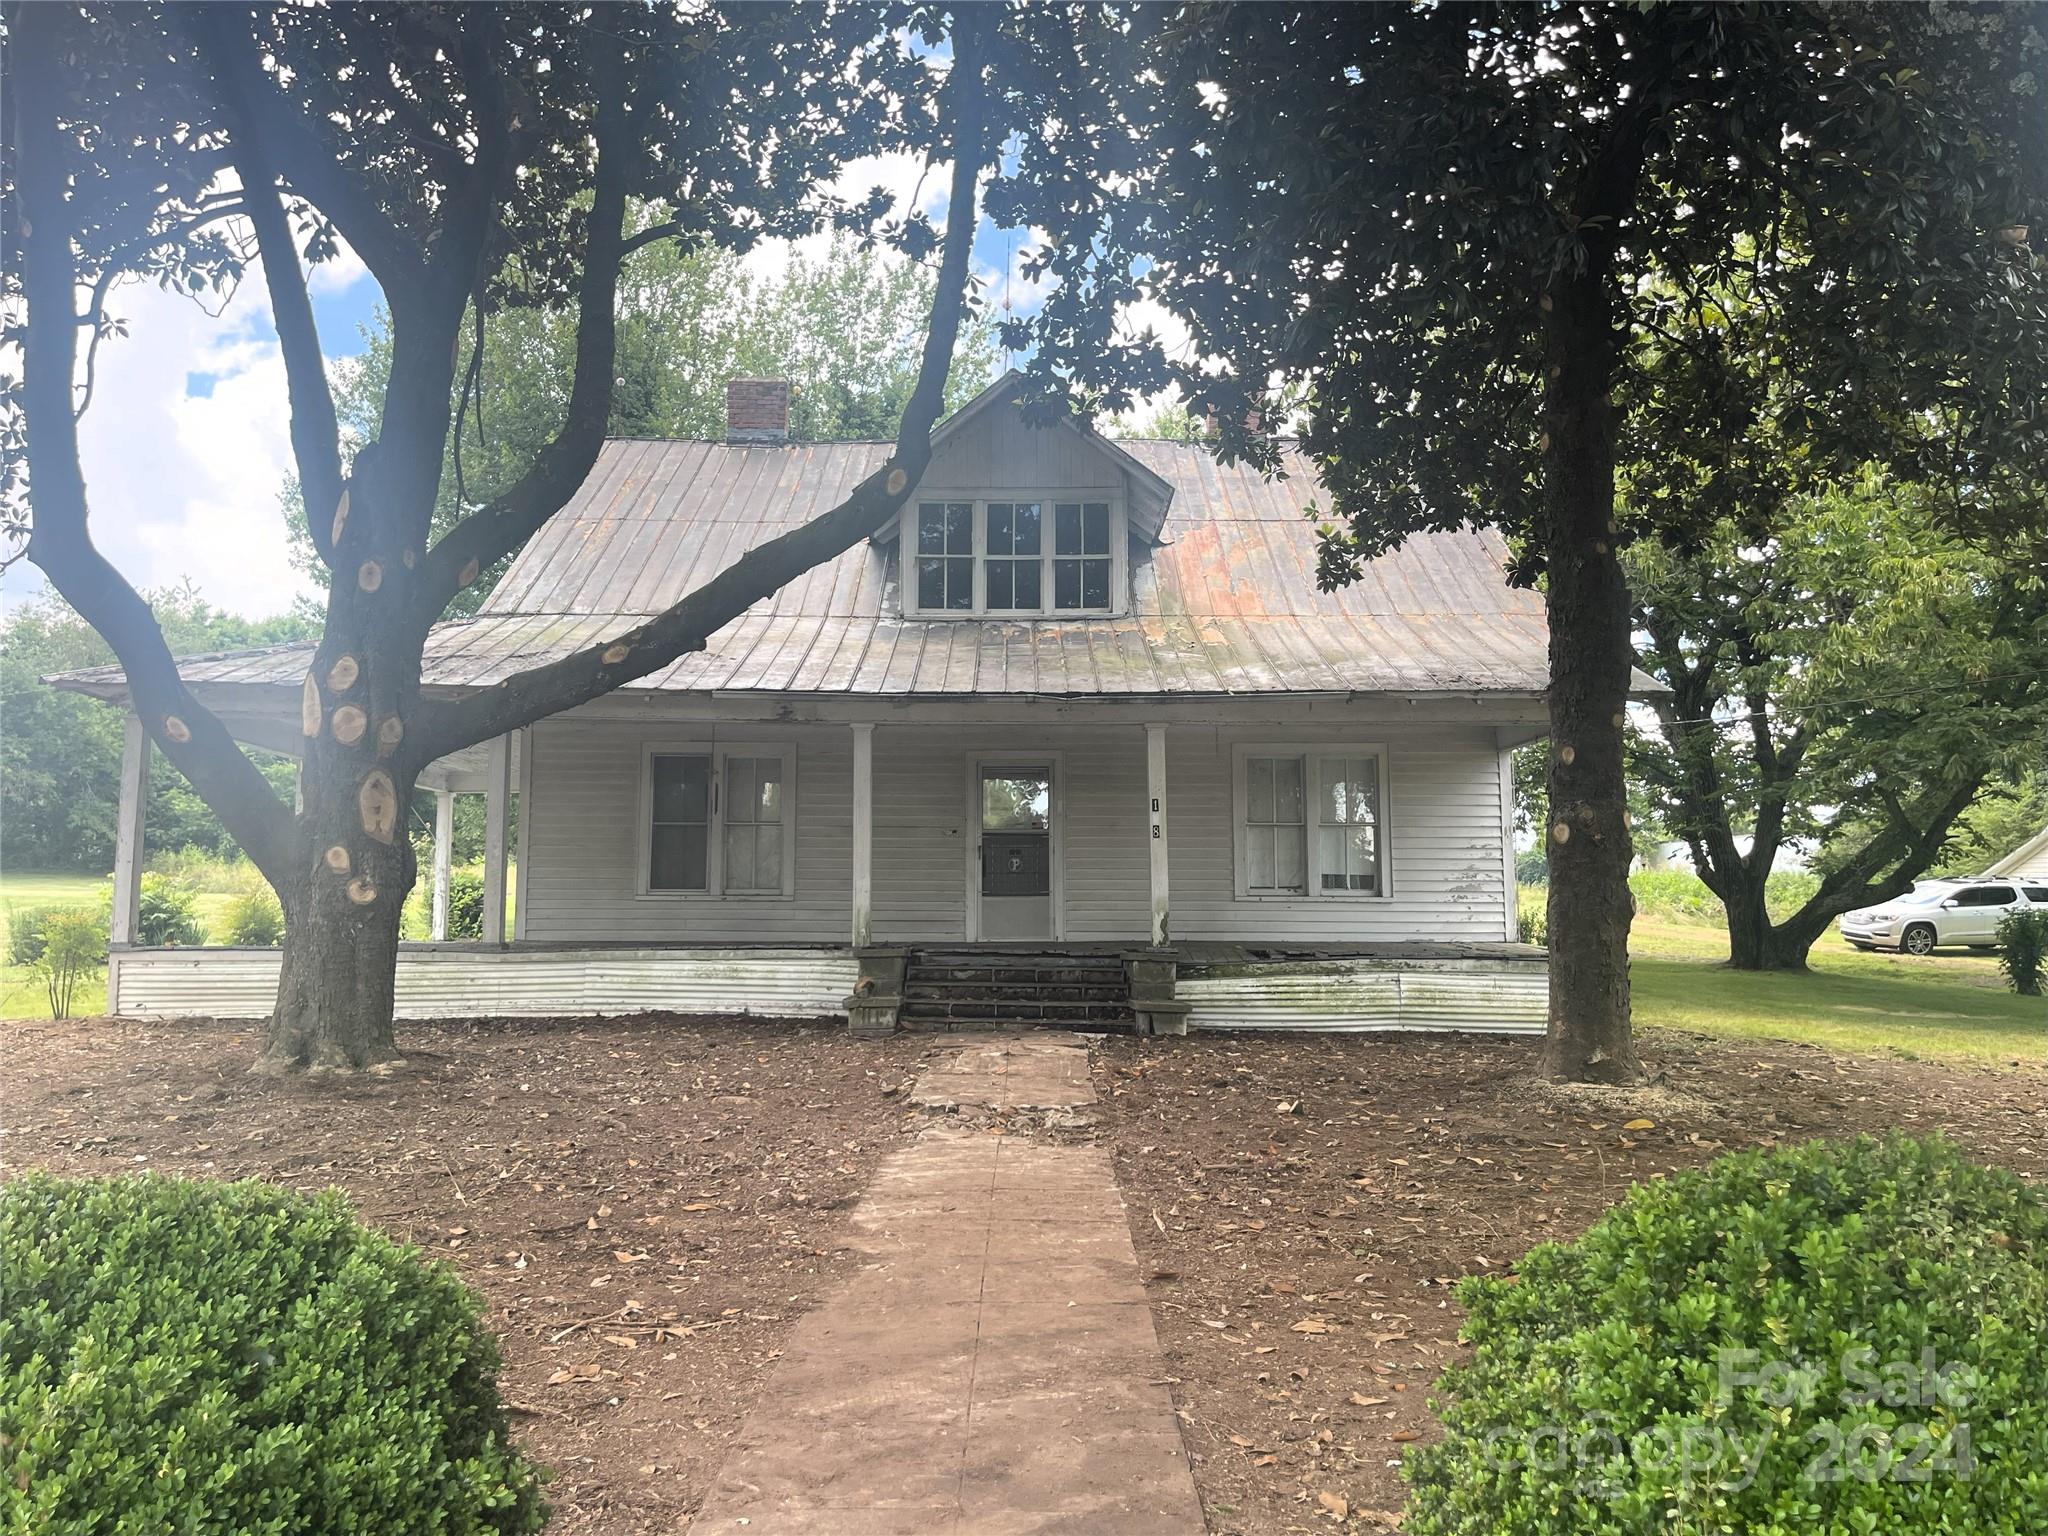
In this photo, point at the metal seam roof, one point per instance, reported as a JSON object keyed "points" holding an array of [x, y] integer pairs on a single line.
{"points": [[1224, 604]]}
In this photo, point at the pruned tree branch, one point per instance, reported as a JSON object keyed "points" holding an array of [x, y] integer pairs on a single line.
{"points": [[316, 436], [765, 569], [304, 153], [509, 520], [61, 542]]}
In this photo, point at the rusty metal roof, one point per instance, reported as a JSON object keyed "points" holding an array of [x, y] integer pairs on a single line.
{"points": [[1225, 603]]}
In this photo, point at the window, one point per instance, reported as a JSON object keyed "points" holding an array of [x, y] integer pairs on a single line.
{"points": [[1986, 896], [719, 822], [1275, 859], [1081, 557], [1014, 566], [2036, 892], [1311, 821], [680, 856], [945, 555], [1001, 557], [1349, 824], [753, 825]]}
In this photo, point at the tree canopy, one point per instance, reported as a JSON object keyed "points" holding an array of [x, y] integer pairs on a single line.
{"points": [[1430, 239], [843, 323]]}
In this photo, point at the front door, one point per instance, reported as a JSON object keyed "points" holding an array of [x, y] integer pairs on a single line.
{"points": [[1015, 852]]}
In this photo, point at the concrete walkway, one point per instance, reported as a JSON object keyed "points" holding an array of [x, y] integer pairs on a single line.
{"points": [[993, 1370]]}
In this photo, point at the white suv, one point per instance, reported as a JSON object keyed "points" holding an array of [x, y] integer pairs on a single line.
{"points": [[1942, 912]]}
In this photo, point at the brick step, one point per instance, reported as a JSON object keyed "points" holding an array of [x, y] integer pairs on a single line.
{"points": [[1044, 991], [1013, 1011]]}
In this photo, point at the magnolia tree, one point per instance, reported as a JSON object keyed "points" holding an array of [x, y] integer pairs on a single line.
{"points": [[477, 159], [1430, 239]]}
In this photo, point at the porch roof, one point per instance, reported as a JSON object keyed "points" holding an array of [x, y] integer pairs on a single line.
{"points": [[1224, 603]]}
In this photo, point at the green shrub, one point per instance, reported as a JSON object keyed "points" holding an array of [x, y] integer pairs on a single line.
{"points": [[74, 946], [1532, 914], [253, 919], [465, 904], [187, 1356], [1532, 866], [167, 914], [2023, 950], [25, 934], [1846, 1338]]}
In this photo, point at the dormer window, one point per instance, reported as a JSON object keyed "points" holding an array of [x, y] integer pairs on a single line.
{"points": [[1015, 556]]}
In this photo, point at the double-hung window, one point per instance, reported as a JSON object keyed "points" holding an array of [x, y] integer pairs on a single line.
{"points": [[1019, 555], [1311, 821], [719, 822]]}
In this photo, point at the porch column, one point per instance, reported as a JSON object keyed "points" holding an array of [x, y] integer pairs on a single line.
{"points": [[1155, 790], [128, 833], [444, 848], [863, 834], [497, 806]]}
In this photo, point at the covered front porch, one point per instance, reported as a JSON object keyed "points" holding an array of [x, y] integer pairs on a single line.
{"points": [[1330, 863]]}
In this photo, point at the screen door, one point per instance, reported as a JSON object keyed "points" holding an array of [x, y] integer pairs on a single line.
{"points": [[1016, 853]]}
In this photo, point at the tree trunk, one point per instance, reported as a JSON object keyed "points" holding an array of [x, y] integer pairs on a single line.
{"points": [[353, 860], [1590, 908], [1753, 944]]}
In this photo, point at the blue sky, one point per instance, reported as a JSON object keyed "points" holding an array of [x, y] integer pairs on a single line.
{"points": [[186, 446]]}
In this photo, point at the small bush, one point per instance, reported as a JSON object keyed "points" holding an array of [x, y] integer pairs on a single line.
{"points": [[190, 1356], [1823, 1338], [74, 946], [25, 934], [167, 914], [465, 904], [254, 920], [1532, 914], [2023, 950]]}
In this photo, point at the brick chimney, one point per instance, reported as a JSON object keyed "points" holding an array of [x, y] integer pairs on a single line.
{"points": [[757, 410]]}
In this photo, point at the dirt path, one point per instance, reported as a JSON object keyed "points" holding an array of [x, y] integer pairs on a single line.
{"points": [[992, 1368]]}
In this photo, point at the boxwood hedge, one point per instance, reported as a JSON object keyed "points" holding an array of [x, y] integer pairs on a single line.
{"points": [[186, 1356], [1846, 1338]]}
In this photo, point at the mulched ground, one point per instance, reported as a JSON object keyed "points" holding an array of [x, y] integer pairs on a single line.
{"points": [[1304, 1205], [647, 1205]]}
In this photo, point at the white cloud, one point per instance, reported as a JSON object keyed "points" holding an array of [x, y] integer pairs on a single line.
{"points": [[184, 485]]}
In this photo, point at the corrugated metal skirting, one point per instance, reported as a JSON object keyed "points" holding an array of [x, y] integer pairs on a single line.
{"points": [[465, 981], [1483, 995]]}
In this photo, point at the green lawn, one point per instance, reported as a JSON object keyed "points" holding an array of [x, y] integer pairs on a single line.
{"points": [[1953, 1006]]}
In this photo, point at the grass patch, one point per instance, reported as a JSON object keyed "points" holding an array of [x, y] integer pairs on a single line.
{"points": [[1944, 1007]]}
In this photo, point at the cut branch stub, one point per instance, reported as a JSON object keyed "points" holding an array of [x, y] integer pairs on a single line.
{"points": [[340, 517], [1561, 833], [177, 729], [343, 674], [362, 890], [1567, 755], [349, 724], [377, 803], [614, 654], [309, 707], [390, 732], [369, 575], [467, 574], [337, 859], [897, 480]]}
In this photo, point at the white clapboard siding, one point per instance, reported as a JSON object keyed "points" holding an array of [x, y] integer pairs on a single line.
{"points": [[1443, 832], [470, 981], [1447, 872], [584, 843], [1500, 996]]}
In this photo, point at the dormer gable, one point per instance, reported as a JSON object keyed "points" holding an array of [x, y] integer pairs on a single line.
{"points": [[1021, 519]]}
